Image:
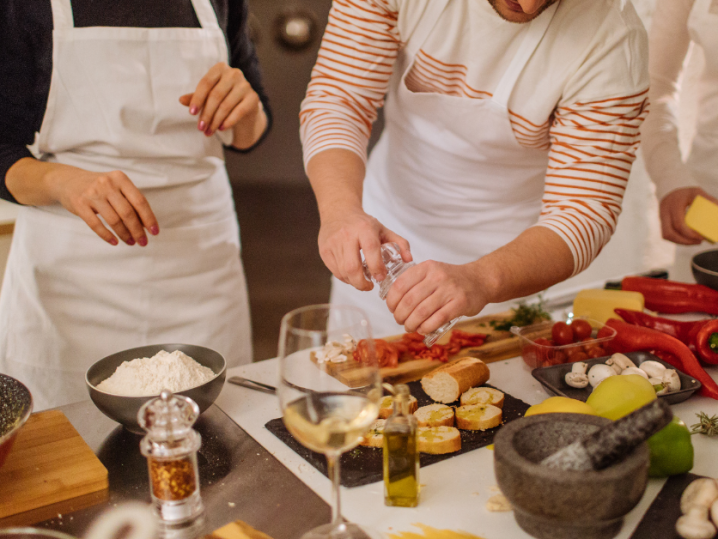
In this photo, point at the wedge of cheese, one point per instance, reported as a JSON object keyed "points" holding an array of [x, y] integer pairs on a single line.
{"points": [[702, 216], [598, 304]]}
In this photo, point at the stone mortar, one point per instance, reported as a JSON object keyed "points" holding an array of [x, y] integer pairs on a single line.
{"points": [[557, 504]]}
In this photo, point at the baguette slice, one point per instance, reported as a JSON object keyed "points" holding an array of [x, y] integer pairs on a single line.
{"points": [[375, 436], [483, 395], [478, 417], [435, 415], [438, 440], [386, 406], [447, 383]]}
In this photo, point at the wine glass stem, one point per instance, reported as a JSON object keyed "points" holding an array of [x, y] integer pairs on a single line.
{"points": [[333, 469]]}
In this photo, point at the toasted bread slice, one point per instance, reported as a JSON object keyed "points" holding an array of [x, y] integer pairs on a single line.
{"points": [[375, 436], [435, 415], [438, 440], [386, 406], [447, 383], [483, 395], [478, 417]]}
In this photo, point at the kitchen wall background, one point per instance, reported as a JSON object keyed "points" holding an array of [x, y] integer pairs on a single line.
{"points": [[277, 212]]}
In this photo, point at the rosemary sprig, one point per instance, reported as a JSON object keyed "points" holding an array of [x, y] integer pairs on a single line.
{"points": [[523, 315], [706, 425]]}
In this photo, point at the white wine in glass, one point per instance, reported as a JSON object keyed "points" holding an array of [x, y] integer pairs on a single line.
{"points": [[323, 413]]}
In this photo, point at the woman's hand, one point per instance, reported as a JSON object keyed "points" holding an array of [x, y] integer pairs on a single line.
{"points": [[225, 100], [111, 195], [344, 234], [431, 294], [673, 215]]}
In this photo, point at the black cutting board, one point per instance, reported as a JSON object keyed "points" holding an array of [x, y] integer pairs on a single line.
{"points": [[660, 519], [363, 465]]}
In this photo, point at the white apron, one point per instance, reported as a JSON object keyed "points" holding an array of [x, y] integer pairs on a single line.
{"points": [[703, 158], [68, 298], [448, 173]]}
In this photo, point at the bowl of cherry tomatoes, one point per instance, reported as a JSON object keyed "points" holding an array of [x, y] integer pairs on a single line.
{"points": [[552, 343]]}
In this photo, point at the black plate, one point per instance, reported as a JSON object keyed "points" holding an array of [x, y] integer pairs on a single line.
{"points": [[552, 379], [363, 465]]}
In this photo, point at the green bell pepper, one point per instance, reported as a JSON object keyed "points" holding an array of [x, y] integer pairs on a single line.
{"points": [[671, 450]]}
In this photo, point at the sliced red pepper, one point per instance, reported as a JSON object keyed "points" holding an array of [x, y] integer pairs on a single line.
{"points": [[671, 297], [635, 338], [707, 342]]}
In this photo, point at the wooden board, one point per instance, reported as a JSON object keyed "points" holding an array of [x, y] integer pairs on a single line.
{"points": [[50, 463], [499, 345]]}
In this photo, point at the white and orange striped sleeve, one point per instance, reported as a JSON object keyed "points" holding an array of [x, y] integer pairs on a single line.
{"points": [[351, 76], [593, 146]]}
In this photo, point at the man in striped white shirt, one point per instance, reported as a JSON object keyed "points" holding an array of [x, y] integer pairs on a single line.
{"points": [[511, 129]]}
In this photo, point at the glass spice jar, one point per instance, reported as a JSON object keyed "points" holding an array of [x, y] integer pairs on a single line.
{"points": [[171, 446], [395, 266]]}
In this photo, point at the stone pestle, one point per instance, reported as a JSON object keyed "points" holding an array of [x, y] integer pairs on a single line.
{"points": [[612, 443]]}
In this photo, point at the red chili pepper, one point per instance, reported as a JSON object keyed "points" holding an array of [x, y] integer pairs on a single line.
{"points": [[666, 296], [635, 338], [707, 342]]}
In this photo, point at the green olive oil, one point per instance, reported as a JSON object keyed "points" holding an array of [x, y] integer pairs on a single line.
{"points": [[401, 457]]}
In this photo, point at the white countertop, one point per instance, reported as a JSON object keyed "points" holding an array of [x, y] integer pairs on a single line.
{"points": [[454, 491]]}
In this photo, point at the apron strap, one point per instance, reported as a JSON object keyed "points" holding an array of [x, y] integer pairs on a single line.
{"points": [[205, 14], [62, 14], [531, 40], [428, 21]]}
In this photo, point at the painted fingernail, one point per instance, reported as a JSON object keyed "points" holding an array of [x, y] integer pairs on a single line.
{"points": [[193, 110], [221, 127], [131, 241], [113, 241], [142, 241], [154, 230], [202, 126], [209, 132]]}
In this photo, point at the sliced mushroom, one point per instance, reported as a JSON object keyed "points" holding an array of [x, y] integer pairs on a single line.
{"points": [[695, 524], [652, 368], [622, 361], [579, 367], [576, 379], [702, 492], [613, 365], [598, 373], [671, 380], [634, 370]]}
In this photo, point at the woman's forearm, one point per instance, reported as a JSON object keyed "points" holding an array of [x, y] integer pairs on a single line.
{"points": [[34, 182], [250, 129]]}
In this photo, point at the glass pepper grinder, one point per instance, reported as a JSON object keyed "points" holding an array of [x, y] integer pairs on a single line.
{"points": [[171, 446], [395, 266], [401, 452]]}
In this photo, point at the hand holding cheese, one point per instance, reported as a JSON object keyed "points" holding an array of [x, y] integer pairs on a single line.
{"points": [[675, 222]]}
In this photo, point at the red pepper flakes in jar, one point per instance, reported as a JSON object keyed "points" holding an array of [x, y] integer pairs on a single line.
{"points": [[173, 480]]}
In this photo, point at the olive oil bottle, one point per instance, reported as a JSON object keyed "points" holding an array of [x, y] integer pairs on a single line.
{"points": [[401, 456]]}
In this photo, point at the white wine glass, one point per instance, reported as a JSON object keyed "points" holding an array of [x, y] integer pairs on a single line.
{"points": [[328, 405]]}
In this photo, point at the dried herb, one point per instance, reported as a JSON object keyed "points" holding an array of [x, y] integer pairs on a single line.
{"points": [[706, 425], [523, 315]]}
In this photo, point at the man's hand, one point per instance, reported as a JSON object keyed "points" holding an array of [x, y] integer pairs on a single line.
{"points": [[673, 215], [111, 195], [225, 99], [344, 234], [431, 294]]}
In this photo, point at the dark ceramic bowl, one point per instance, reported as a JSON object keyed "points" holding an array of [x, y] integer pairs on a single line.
{"points": [[124, 409], [15, 409], [705, 268], [556, 504]]}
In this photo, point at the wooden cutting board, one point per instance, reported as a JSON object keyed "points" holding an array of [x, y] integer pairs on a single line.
{"points": [[49, 463], [499, 345]]}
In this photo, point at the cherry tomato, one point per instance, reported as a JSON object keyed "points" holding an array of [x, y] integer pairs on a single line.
{"points": [[542, 341], [561, 333], [581, 330], [555, 357], [577, 355], [596, 351]]}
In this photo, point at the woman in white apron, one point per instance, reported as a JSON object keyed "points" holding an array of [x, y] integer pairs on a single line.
{"points": [[448, 179], [68, 297], [675, 26]]}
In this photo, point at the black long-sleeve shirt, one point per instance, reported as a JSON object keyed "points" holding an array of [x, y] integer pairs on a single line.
{"points": [[26, 56]]}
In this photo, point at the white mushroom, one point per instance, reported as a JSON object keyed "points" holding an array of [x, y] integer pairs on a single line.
{"points": [[613, 365], [653, 369], [622, 361], [701, 492], [671, 380], [579, 367], [575, 379], [599, 373], [695, 524], [634, 370]]}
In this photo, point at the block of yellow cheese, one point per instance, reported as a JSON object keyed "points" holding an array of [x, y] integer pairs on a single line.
{"points": [[598, 304], [702, 216]]}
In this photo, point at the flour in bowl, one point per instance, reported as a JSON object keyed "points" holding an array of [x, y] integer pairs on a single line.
{"points": [[148, 376]]}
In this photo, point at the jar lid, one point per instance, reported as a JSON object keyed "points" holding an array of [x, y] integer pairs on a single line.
{"points": [[168, 417]]}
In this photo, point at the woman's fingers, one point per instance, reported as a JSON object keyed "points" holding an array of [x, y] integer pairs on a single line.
{"points": [[128, 218], [204, 87], [249, 104], [104, 209], [89, 216], [140, 205]]}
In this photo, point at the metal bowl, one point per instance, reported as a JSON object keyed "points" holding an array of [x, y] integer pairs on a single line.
{"points": [[705, 268], [15, 409], [124, 409]]}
